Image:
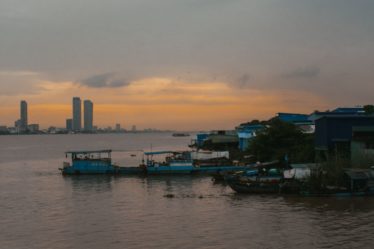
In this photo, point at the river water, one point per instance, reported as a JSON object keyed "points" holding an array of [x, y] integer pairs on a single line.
{"points": [[39, 208]]}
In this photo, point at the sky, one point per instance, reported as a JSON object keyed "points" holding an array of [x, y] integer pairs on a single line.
{"points": [[184, 64]]}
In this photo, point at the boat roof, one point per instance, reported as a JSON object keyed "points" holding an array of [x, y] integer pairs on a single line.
{"points": [[161, 152], [83, 152]]}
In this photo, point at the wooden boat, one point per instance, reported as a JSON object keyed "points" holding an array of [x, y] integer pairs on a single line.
{"points": [[254, 184], [262, 178]]}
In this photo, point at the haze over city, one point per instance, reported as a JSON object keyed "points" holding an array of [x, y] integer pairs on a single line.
{"points": [[185, 65]]}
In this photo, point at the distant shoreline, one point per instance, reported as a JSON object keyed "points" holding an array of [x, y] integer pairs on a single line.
{"points": [[87, 133]]}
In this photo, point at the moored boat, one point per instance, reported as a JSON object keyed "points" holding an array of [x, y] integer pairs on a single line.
{"points": [[264, 180], [252, 182], [172, 162], [180, 134], [94, 162], [183, 163]]}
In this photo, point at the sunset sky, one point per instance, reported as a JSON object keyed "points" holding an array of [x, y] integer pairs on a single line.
{"points": [[184, 64]]}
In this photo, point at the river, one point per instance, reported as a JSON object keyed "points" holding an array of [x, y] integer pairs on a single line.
{"points": [[39, 208]]}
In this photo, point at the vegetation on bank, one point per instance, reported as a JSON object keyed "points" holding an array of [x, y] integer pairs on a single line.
{"points": [[284, 142], [278, 140]]}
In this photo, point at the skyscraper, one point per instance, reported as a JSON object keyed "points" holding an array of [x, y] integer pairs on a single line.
{"points": [[77, 114], [23, 120], [88, 115]]}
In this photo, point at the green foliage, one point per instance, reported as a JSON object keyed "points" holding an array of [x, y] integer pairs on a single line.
{"points": [[369, 109], [280, 139]]}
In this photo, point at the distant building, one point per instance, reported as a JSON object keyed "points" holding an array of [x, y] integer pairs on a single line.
{"points": [[133, 129], [295, 118], [69, 124], [341, 111], [88, 115], [77, 114], [302, 121], [201, 138], [3, 129], [118, 127], [217, 140], [17, 126], [33, 128], [349, 110], [24, 117]]}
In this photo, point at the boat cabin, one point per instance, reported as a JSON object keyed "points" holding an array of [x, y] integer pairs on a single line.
{"points": [[168, 158], [104, 155], [89, 162]]}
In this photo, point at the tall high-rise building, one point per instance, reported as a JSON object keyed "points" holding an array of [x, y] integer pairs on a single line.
{"points": [[88, 115], [77, 114], [23, 120]]}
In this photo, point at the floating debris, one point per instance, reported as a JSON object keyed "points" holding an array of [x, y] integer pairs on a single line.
{"points": [[169, 196]]}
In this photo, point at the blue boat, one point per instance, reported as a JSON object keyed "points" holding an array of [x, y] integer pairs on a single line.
{"points": [[95, 162], [100, 162], [182, 163]]}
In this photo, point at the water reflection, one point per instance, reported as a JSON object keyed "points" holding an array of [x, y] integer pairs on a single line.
{"points": [[97, 183], [332, 204]]}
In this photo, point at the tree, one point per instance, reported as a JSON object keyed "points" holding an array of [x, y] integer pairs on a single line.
{"points": [[280, 139], [369, 109]]}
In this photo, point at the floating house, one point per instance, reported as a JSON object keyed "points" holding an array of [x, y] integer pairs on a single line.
{"points": [[246, 133], [346, 135]]}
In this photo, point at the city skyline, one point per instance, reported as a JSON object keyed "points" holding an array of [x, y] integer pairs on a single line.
{"points": [[75, 109], [21, 125], [218, 63]]}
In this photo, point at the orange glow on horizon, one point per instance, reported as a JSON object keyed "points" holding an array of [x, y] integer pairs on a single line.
{"points": [[160, 103]]}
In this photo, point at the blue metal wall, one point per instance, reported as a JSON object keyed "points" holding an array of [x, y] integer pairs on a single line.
{"points": [[329, 129]]}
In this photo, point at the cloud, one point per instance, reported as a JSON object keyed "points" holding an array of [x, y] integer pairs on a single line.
{"points": [[17, 82], [303, 73], [105, 80], [242, 81]]}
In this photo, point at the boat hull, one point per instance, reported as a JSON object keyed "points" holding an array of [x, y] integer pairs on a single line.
{"points": [[254, 184], [188, 170]]}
